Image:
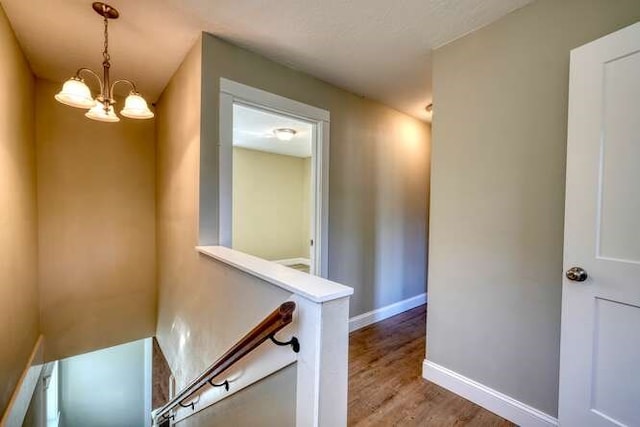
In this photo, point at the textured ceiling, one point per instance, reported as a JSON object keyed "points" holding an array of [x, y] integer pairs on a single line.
{"points": [[380, 49], [253, 129]]}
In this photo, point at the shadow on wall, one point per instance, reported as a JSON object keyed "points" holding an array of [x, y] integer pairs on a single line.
{"points": [[401, 225], [380, 243]]}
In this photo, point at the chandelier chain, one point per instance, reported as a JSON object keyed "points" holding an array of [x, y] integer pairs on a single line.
{"points": [[105, 53]]}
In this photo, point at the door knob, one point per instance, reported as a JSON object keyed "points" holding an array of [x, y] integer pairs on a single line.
{"points": [[577, 274]]}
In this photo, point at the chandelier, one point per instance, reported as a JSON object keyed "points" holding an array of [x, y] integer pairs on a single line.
{"points": [[76, 93]]}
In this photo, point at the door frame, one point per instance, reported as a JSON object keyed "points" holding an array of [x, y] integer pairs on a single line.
{"points": [[237, 93]]}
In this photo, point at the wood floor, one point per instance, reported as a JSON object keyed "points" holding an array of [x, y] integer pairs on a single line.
{"points": [[386, 387]]}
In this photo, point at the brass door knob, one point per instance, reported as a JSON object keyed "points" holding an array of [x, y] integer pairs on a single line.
{"points": [[577, 274]]}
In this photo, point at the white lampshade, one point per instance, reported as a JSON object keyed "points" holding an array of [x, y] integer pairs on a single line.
{"points": [[135, 107], [75, 93], [98, 113], [284, 134]]}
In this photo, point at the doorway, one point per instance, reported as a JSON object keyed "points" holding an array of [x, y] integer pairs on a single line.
{"points": [[273, 177], [271, 186]]}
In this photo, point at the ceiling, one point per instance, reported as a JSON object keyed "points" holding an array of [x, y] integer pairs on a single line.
{"points": [[379, 49], [253, 129]]}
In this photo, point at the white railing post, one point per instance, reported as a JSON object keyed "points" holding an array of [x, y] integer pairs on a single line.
{"points": [[322, 378]]}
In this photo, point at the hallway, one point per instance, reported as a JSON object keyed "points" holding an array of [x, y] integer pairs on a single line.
{"points": [[386, 387]]}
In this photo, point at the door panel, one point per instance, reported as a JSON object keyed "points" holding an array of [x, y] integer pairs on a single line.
{"points": [[616, 353], [600, 344], [619, 231]]}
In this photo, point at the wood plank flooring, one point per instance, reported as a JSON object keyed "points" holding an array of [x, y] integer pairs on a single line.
{"points": [[386, 387]]}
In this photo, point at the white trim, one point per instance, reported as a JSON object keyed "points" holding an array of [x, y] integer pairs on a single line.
{"points": [[490, 399], [293, 261], [225, 171], [276, 102], [54, 422], [320, 249], [51, 385], [232, 92], [366, 319], [148, 380], [313, 288], [21, 397]]}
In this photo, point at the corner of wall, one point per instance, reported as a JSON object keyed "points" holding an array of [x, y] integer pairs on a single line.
{"points": [[208, 222], [18, 212]]}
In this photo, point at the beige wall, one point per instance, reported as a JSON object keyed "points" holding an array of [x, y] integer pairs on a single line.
{"points": [[378, 178], [18, 214], [270, 199], [197, 296], [96, 215], [496, 231]]}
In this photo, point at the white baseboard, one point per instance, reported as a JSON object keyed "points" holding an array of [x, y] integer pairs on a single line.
{"points": [[490, 399], [382, 313]]}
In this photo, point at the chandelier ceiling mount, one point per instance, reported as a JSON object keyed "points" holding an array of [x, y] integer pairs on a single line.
{"points": [[105, 10]]}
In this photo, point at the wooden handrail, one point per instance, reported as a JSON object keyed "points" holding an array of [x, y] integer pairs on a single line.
{"points": [[274, 322]]}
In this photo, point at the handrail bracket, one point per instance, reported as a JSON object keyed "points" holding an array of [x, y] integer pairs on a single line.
{"points": [[225, 384], [293, 342]]}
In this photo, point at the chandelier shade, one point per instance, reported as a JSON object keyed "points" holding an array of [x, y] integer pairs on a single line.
{"points": [[76, 93], [101, 113], [135, 107]]}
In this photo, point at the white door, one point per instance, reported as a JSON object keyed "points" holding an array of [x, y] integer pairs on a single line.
{"points": [[600, 346]]}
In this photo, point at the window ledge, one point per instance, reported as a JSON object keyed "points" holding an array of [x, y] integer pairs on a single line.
{"points": [[311, 287]]}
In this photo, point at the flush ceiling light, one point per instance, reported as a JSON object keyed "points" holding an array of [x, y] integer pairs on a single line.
{"points": [[76, 93], [284, 134]]}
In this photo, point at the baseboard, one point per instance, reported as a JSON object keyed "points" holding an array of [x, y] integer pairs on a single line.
{"points": [[490, 399], [21, 397], [385, 312]]}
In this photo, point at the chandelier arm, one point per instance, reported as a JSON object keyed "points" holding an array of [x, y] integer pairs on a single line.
{"points": [[129, 82], [93, 73]]}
